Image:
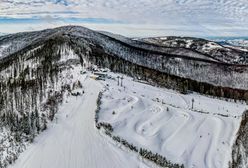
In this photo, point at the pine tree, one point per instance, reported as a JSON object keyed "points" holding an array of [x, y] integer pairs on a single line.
{"points": [[25, 124], [37, 121], [44, 121], [32, 120]]}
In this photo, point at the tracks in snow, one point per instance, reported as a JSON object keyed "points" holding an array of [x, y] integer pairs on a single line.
{"points": [[176, 132], [74, 142]]}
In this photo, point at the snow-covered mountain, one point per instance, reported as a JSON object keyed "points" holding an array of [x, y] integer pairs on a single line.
{"points": [[235, 43], [238, 42], [179, 61], [40, 71], [216, 50]]}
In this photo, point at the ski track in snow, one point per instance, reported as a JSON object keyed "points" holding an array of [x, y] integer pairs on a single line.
{"points": [[73, 142], [181, 135], [153, 118]]}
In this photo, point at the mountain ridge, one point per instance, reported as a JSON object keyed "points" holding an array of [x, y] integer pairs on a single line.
{"points": [[40, 70], [166, 57]]}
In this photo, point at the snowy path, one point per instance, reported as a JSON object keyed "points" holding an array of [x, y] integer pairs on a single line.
{"points": [[162, 121], [74, 142]]}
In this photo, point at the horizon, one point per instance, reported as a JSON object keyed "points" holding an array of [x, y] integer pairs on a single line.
{"points": [[99, 30], [123, 84]]}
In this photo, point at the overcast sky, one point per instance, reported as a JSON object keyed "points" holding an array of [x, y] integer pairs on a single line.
{"points": [[130, 17]]}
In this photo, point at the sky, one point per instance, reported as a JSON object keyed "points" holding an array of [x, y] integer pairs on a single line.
{"points": [[199, 18]]}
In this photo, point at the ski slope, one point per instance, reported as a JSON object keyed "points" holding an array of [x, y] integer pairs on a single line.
{"points": [[153, 118], [73, 142], [165, 122]]}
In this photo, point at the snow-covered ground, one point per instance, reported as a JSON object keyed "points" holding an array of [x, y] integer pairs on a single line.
{"points": [[2, 49], [157, 119], [72, 141], [210, 46], [164, 122]]}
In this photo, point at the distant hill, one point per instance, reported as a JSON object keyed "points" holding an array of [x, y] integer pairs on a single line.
{"points": [[2, 34]]}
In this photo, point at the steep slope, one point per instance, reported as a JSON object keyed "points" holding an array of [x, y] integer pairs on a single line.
{"points": [[73, 140], [33, 84], [177, 61], [14, 42], [38, 70]]}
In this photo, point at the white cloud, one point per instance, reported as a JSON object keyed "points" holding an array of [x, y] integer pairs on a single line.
{"points": [[199, 17]]}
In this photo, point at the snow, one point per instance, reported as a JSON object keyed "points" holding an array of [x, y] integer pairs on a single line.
{"points": [[238, 42], [237, 47], [67, 53], [141, 117], [72, 141], [188, 43], [163, 38], [186, 68], [210, 46], [164, 122], [2, 49], [153, 118]]}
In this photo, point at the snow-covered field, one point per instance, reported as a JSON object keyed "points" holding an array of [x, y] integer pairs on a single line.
{"points": [[156, 119], [164, 122], [72, 141]]}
